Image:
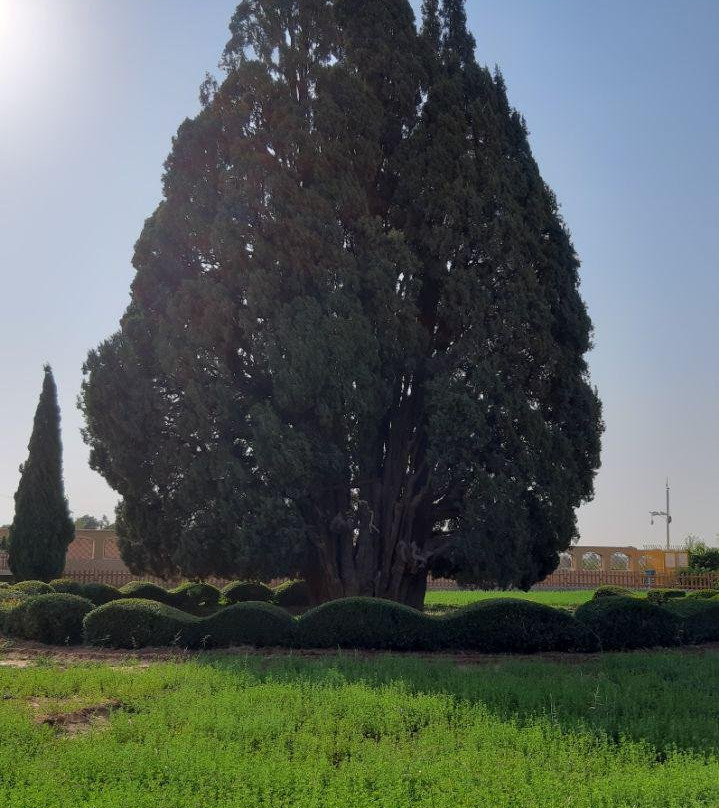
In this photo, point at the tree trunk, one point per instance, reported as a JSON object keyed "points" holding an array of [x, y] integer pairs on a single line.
{"points": [[406, 587], [357, 558], [416, 590], [321, 575]]}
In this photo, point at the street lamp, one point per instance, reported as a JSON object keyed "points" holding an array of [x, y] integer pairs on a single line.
{"points": [[666, 514]]}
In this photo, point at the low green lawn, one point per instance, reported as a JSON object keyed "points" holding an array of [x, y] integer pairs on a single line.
{"points": [[442, 600], [639, 730]]}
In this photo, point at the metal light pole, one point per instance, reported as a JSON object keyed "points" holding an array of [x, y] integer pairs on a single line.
{"points": [[666, 514]]}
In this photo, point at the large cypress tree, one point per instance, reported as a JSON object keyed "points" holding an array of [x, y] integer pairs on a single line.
{"points": [[42, 529], [355, 345]]}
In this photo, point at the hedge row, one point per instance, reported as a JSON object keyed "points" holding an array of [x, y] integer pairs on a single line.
{"points": [[55, 618], [135, 623], [190, 596], [664, 595], [699, 619], [623, 622], [653, 595], [491, 626], [96, 592], [292, 595], [703, 594]]}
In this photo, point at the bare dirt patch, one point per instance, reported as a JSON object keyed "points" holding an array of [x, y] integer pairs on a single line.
{"points": [[26, 654], [81, 720], [22, 654]]}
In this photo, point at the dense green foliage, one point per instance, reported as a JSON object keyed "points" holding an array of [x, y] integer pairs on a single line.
{"points": [[99, 593], [135, 623], [699, 617], [95, 591], [343, 732], [56, 619], [366, 623], [88, 522], [358, 300], [251, 623], [195, 595], [703, 558], [703, 594], [146, 590], [240, 591], [42, 529], [607, 591], [292, 594], [626, 622], [9, 602], [32, 588], [663, 595], [488, 624], [67, 585], [511, 626]]}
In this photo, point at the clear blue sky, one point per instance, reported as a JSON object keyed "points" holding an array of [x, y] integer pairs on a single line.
{"points": [[621, 102]]}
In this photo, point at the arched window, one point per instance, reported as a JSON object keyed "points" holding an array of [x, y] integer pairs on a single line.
{"points": [[591, 561], [565, 561], [619, 561]]}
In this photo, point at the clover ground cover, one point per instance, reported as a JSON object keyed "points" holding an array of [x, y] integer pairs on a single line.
{"points": [[232, 730], [445, 599]]}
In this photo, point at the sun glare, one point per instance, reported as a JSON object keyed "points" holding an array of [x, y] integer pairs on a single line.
{"points": [[11, 25], [30, 33]]}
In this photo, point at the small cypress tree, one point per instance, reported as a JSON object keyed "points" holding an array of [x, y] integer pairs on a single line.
{"points": [[42, 529]]}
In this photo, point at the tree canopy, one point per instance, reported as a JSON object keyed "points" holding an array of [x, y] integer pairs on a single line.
{"points": [[355, 348], [89, 522], [42, 529]]}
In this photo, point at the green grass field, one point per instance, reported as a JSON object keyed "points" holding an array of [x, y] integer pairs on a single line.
{"points": [[442, 600], [244, 731]]}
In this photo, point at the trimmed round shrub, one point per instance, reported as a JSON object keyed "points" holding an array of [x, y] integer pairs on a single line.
{"points": [[195, 595], [607, 591], [292, 594], [9, 603], [95, 591], [243, 591], [703, 594], [145, 590], [251, 623], [99, 593], [32, 588], [510, 625], [699, 619], [13, 615], [136, 623], [66, 585], [663, 595], [366, 623], [55, 618], [622, 623]]}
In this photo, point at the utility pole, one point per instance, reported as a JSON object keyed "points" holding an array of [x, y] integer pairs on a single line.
{"points": [[666, 514]]}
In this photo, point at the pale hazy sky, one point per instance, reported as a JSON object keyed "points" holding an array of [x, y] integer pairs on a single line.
{"points": [[621, 101]]}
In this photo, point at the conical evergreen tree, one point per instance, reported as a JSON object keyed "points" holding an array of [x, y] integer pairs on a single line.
{"points": [[42, 529], [355, 347]]}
